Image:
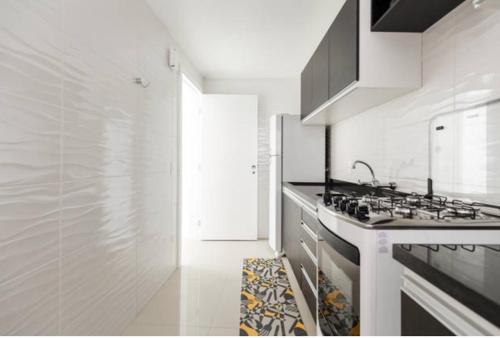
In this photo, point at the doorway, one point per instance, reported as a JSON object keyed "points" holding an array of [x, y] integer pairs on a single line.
{"points": [[219, 166]]}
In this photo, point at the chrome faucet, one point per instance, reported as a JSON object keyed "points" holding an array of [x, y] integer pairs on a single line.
{"points": [[374, 183]]}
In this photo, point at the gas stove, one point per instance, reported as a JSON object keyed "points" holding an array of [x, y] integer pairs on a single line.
{"points": [[414, 210], [368, 221]]}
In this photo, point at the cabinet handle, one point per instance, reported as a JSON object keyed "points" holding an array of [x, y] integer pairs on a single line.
{"points": [[309, 281], [309, 252], [309, 231]]}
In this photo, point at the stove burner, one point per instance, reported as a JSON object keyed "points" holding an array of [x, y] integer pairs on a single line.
{"points": [[460, 210], [414, 199], [414, 206], [405, 211]]}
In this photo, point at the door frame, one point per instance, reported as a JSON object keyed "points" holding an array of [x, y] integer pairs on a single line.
{"points": [[183, 77]]}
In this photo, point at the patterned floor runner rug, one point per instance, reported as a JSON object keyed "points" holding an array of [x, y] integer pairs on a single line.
{"points": [[268, 306]]}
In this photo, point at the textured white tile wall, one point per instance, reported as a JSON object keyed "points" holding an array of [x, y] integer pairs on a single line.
{"points": [[87, 165], [460, 71]]}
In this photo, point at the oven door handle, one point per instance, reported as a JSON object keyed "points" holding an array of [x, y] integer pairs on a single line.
{"points": [[343, 247]]}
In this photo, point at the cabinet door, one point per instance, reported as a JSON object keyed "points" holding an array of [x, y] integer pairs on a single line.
{"points": [[343, 48], [320, 74], [306, 87], [416, 321], [310, 297], [291, 227]]}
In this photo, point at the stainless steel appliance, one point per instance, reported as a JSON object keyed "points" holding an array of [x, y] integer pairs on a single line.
{"points": [[297, 154], [372, 219], [392, 210], [338, 285]]}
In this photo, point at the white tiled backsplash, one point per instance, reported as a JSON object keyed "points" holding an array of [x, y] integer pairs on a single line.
{"points": [[461, 73], [87, 221]]}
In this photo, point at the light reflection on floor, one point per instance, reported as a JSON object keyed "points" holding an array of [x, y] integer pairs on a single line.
{"points": [[203, 296]]}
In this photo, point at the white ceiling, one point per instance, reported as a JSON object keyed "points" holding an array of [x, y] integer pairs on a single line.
{"points": [[247, 38]]}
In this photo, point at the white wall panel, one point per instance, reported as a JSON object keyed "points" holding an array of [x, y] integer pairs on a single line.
{"points": [[30, 96], [29, 255], [99, 98], [29, 304], [30, 91], [29, 228], [87, 164], [97, 255]]}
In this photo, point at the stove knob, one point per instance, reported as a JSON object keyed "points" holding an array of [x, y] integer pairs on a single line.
{"points": [[336, 201], [362, 212], [343, 204], [351, 207]]}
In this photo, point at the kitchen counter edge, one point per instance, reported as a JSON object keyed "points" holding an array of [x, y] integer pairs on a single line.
{"points": [[304, 194]]}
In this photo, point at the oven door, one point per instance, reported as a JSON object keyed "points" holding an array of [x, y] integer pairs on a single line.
{"points": [[338, 285]]}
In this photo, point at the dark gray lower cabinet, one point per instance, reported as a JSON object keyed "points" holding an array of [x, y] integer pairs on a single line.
{"points": [[301, 249], [291, 225], [416, 321], [310, 297]]}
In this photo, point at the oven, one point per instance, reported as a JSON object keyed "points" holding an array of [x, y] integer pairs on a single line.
{"points": [[338, 285]]}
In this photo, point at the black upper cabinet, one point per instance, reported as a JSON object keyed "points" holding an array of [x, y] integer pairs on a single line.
{"points": [[412, 16], [343, 48], [306, 87], [335, 63], [320, 74]]}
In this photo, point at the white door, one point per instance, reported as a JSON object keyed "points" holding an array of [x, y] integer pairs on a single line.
{"points": [[229, 167]]}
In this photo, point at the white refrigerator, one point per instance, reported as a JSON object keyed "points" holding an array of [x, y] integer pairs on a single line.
{"points": [[297, 154]]}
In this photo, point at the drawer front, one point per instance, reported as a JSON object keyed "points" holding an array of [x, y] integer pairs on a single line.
{"points": [[309, 295], [311, 220], [309, 237], [416, 321], [309, 263]]}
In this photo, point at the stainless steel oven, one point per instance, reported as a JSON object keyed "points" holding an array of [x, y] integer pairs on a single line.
{"points": [[338, 285]]}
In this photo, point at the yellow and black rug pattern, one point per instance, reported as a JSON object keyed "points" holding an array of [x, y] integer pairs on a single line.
{"points": [[336, 310], [268, 306]]}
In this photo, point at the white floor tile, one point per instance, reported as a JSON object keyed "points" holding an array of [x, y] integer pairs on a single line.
{"points": [[159, 330], [203, 296], [222, 331]]}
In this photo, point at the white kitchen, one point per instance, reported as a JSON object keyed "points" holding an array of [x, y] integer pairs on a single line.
{"points": [[249, 167]]}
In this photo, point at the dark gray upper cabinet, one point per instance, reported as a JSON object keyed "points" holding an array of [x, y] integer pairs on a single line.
{"points": [[343, 56], [365, 69], [320, 74], [334, 64], [409, 15], [306, 88]]}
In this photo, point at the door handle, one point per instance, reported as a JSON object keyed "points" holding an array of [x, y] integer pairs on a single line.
{"points": [[254, 169]]}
